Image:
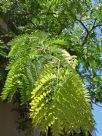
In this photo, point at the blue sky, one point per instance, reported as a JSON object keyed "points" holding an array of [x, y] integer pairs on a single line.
{"points": [[97, 111], [98, 118]]}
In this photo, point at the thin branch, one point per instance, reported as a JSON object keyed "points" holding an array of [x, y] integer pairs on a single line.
{"points": [[98, 25], [93, 25], [97, 104], [85, 39], [83, 25], [88, 32]]}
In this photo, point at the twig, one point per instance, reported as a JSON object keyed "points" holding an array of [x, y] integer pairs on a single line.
{"points": [[98, 25], [97, 104]]}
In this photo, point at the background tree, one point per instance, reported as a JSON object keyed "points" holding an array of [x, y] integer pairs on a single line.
{"points": [[76, 22]]}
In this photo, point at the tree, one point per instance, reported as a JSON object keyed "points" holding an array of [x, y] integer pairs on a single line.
{"points": [[3, 62], [77, 31]]}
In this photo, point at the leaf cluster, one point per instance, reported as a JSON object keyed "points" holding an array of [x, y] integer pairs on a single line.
{"points": [[44, 75]]}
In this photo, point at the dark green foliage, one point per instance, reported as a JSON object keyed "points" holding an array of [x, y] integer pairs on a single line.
{"points": [[3, 62]]}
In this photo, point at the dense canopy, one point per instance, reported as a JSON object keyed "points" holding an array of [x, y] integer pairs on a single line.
{"points": [[42, 32]]}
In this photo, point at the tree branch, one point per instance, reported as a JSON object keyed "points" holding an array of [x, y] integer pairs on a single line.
{"points": [[97, 104], [83, 25], [98, 25], [88, 32]]}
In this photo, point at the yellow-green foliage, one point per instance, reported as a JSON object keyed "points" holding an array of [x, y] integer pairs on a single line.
{"points": [[60, 101], [44, 74]]}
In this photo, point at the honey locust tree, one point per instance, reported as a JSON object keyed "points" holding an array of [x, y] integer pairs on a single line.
{"points": [[73, 27]]}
